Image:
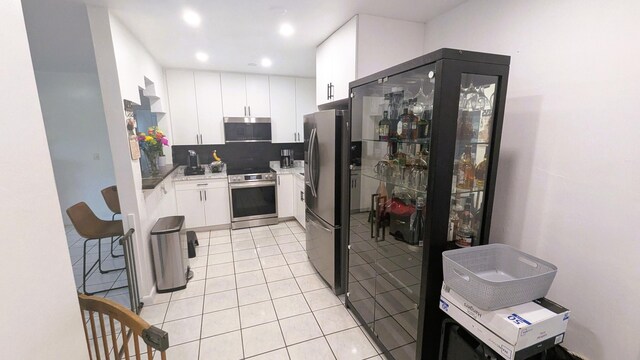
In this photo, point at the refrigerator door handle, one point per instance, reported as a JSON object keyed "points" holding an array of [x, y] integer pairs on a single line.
{"points": [[312, 170]]}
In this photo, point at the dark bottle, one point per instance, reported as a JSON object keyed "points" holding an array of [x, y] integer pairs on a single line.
{"points": [[424, 125], [481, 171], [383, 127], [413, 125], [393, 125], [404, 125], [465, 235]]}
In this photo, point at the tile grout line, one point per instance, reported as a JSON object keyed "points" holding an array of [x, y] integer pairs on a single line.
{"points": [[271, 298], [235, 281], [313, 314], [206, 271]]}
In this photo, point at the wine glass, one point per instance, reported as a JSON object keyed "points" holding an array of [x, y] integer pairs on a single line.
{"points": [[421, 100]]}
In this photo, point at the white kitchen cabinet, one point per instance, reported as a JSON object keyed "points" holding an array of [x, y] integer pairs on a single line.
{"points": [[299, 203], [258, 95], [209, 107], [195, 104], [182, 105], [203, 203], [216, 205], [305, 103], [355, 190], [336, 63], [189, 203], [245, 95], [285, 195], [364, 45], [284, 127]]}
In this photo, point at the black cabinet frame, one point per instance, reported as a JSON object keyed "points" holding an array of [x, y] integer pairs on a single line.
{"points": [[450, 65]]}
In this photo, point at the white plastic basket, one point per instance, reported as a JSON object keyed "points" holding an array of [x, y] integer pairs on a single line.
{"points": [[496, 276]]}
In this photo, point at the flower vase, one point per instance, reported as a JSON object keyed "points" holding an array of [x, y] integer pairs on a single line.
{"points": [[152, 161], [162, 161]]}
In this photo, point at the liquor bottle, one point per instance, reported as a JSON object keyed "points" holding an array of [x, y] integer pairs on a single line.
{"points": [[403, 124], [383, 127], [465, 234], [393, 125], [466, 170], [454, 220], [481, 171], [486, 116], [413, 125]]}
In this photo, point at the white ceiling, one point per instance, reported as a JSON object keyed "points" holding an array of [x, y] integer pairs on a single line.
{"points": [[237, 32]]}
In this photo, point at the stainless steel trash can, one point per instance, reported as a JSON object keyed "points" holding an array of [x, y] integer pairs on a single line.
{"points": [[169, 247]]}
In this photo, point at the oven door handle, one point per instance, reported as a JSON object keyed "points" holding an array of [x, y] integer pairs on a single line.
{"points": [[252, 184]]}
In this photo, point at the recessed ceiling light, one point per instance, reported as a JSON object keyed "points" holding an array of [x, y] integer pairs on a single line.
{"points": [[286, 30], [201, 56], [191, 17], [266, 62]]}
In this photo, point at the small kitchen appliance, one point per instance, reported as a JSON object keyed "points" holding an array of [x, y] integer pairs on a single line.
{"points": [[286, 158], [193, 165]]}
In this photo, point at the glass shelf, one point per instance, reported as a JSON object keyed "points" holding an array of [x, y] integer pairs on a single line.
{"points": [[460, 144], [467, 191], [395, 182], [401, 141]]}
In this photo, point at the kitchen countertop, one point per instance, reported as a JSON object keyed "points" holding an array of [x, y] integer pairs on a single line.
{"points": [[150, 182], [297, 169], [180, 176]]}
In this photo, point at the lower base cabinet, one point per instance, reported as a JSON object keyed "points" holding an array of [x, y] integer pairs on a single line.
{"points": [[203, 203], [285, 195]]}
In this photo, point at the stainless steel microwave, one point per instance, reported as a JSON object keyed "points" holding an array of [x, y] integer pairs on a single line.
{"points": [[247, 129]]}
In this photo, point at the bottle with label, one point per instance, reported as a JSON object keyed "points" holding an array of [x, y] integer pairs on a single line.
{"points": [[383, 127], [403, 124], [393, 125], [486, 108], [481, 171], [465, 234], [466, 170], [413, 125]]}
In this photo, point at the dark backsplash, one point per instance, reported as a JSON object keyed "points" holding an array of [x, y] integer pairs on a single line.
{"points": [[238, 155]]}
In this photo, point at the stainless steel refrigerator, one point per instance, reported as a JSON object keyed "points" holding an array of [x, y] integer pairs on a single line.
{"points": [[327, 139]]}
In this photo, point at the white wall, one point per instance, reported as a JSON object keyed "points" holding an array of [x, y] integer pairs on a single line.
{"points": [[78, 140], [123, 64], [569, 174], [40, 318]]}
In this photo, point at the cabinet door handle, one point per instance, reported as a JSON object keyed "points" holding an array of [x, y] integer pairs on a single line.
{"points": [[200, 195], [301, 195], [197, 139], [205, 195], [331, 91], [328, 91], [278, 180]]}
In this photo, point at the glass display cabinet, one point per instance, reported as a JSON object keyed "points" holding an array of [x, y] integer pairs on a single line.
{"points": [[430, 141]]}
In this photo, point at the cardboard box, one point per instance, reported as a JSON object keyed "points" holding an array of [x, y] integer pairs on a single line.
{"points": [[515, 332]]}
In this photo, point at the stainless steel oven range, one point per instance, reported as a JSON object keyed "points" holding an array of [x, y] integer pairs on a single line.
{"points": [[253, 197]]}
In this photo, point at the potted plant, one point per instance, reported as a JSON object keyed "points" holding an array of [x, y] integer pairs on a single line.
{"points": [[151, 145]]}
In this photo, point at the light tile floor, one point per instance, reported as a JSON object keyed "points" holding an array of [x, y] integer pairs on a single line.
{"points": [[255, 295]]}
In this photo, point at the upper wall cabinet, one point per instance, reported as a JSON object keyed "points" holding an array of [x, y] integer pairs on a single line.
{"points": [[305, 103], [245, 95], [283, 109], [291, 99], [364, 45], [336, 63], [195, 104]]}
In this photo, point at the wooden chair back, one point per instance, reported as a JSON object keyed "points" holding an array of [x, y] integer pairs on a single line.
{"points": [[113, 331], [110, 195]]}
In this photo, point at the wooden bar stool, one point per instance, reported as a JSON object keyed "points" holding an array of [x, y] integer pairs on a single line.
{"points": [[110, 196], [90, 227]]}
